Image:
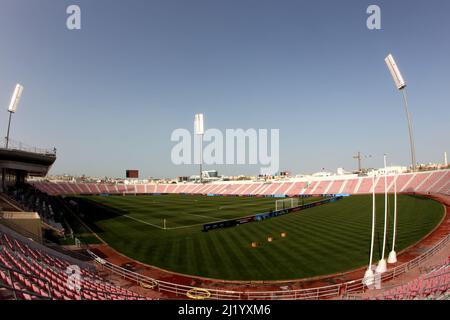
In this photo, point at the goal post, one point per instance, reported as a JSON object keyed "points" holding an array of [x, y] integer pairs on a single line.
{"points": [[286, 203]]}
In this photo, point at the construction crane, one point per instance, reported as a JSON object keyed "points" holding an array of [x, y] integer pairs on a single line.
{"points": [[359, 157]]}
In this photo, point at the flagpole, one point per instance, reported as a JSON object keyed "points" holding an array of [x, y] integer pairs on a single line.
{"points": [[369, 275], [393, 255], [382, 267]]}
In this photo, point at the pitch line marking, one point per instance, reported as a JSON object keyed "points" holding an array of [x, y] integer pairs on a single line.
{"points": [[198, 215], [173, 228], [193, 225], [188, 226], [144, 222]]}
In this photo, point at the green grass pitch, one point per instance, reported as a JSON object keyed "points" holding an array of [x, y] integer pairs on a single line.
{"points": [[322, 240]]}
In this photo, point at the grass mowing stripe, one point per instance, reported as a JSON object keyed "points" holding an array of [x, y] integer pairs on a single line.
{"points": [[325, 239]]}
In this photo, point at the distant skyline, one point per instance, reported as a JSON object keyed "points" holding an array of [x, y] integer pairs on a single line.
{"points": [[109, 96]]}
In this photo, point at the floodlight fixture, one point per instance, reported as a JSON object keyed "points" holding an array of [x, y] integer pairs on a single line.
{"points": [[198, 124], [12, 108], [199, 130], [395, 72], [15, 99], [401, 85]]}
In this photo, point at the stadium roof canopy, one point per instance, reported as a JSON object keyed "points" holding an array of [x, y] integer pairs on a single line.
{"points": [[31, 163]]}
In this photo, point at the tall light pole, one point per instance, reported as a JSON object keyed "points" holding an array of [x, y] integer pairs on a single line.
{"points": [[199, 131], [369, 276], [17, 94], [382, 267], [401, 85], [392, 258]]}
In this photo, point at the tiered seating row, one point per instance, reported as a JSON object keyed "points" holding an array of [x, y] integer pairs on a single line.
{"points": [[429, 286], [425, 182], [36, 274]]}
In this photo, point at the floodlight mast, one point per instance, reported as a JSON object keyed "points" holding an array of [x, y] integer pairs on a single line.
{"points": [[401, 85], [7, 133], [200, 130], [17, 94]]}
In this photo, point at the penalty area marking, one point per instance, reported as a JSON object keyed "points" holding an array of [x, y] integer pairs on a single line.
{"points": [[162, 228], [185, 226], [191, 225], [198, 215]]}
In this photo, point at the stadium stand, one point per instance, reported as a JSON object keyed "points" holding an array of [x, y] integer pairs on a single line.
{"points": [[428, 183], [403, 180], [170, 189], [296, 188], [33, 200], [433, 285], [31, 271], [310, 188], [365, 186], [442, 185], [379, 185], [350, 186], [414, 182], [335, 187], [424, 182], [322, 187], [283, 188], [251, 190]]}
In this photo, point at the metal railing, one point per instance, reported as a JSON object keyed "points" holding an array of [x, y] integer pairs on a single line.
{"points": [[440, 288], [17, 145], [324, 292]]}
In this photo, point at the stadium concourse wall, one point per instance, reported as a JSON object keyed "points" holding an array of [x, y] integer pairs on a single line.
{"points": [[427, 182]]}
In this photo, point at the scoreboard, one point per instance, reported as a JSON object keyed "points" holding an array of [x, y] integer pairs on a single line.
{"points": [[132, 174]]}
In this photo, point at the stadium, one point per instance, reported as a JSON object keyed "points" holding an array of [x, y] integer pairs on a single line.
{"points": [[365, 234], [228, 240]]}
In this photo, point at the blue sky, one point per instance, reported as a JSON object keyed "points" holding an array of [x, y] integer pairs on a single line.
{"points": [[109, 95]]}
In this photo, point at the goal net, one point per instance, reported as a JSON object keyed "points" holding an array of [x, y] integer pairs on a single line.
{"points": [[286, 204]]}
